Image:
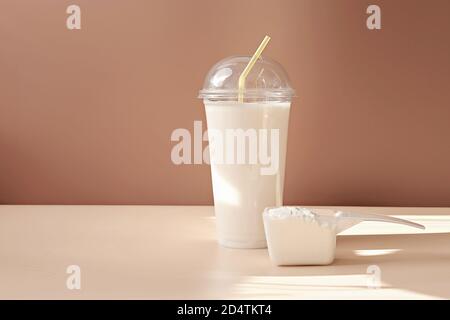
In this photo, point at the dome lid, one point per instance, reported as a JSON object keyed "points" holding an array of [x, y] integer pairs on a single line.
{"points": [[267, 80]]}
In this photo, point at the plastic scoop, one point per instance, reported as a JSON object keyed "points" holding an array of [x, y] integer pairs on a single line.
{"points": [[345, 220], [307, 236]]}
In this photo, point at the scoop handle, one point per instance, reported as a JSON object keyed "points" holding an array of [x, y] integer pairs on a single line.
{"points": [[349, 219]]}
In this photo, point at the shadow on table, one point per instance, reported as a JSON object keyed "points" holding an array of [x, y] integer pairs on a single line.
{"points": [[412, 265], [413, 262]]}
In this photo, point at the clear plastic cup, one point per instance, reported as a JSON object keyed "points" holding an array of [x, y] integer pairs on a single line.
{"points": [[247, 142]]}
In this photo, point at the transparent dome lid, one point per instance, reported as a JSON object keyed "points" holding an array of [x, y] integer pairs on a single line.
{"points": [[267, 81]]}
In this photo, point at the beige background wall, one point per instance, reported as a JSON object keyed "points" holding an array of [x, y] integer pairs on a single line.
{"points": [[86, 116]]}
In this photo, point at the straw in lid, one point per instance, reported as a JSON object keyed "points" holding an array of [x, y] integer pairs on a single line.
{"points": [[262, 79]]}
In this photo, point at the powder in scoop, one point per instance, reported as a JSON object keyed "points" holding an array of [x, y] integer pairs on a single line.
{"points": [[299, 236]]}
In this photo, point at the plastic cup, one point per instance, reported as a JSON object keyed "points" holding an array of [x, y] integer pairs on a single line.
{"points": [[247, 144]]}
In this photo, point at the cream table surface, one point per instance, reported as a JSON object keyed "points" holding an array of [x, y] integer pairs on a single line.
{"points": [[170, 252]]}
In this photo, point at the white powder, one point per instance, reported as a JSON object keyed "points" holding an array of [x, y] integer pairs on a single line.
{"points": [[323, 217], [300, 236]]}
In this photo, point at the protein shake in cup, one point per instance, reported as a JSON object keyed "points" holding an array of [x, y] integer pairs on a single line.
{"points": [[247, 102]]}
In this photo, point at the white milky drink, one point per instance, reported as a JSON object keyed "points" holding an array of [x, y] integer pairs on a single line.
{"points": [[247, 132], [245, 184]]}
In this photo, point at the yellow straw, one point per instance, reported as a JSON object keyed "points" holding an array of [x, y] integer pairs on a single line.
{"points": [[249, 67]]}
